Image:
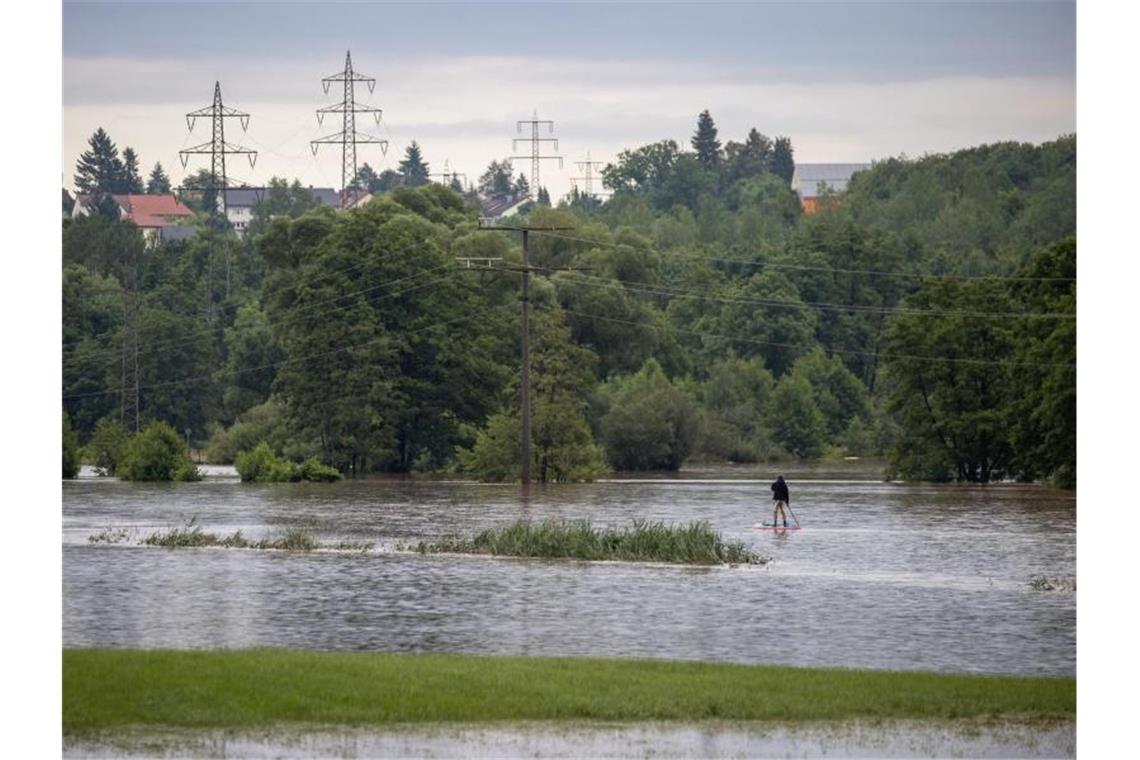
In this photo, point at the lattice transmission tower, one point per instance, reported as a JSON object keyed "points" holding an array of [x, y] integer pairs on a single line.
{"points": [[449, 177], [587, 169], [217, 147], [348, 108], [535, 148]]}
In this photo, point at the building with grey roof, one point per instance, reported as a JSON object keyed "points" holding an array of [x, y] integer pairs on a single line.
{"points": [[810, 180]]}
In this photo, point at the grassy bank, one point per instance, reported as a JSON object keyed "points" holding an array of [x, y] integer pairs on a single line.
{"points": [[693, 544], [109, 689]]}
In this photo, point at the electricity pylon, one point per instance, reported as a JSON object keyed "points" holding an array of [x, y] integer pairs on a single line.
{"points": [[447, 177], [348, 108], [587, 168], [217, 147], [535, 148]]}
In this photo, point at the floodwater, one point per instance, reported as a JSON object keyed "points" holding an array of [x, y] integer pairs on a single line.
{"points": [[883, 575]]}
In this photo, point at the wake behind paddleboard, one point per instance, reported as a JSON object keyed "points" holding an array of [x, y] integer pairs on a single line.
{"points": [[766, 526]]}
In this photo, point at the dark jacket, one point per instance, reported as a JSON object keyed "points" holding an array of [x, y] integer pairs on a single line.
{"points": [[780, 491]]}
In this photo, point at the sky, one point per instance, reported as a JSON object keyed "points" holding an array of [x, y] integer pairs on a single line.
{"points": [[847, 82]]}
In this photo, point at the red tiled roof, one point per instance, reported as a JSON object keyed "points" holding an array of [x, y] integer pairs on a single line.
{"points": [[152, 210]]}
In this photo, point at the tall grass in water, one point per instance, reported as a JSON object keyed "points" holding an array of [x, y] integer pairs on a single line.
{"points": [[193, 536], [692, 544]]}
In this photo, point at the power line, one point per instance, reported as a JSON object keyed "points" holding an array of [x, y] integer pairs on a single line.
{"points": [[348, 108], [321, 278], [808, 268], [664, 290], [854, 352], [281, 363], [292, 315]]}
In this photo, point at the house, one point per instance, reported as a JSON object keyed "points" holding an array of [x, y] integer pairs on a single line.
{"points": [[810, 181], [241, 202], [159, 216], [495, 206]]}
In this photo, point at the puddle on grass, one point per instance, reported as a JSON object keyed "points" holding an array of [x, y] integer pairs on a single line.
{"points": [[896, 739]]}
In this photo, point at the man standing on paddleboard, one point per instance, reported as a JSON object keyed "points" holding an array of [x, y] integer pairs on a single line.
{"points": [[780, 499]]}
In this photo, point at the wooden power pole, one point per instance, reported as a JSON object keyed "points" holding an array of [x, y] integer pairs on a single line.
{"points": [[525, 269]]}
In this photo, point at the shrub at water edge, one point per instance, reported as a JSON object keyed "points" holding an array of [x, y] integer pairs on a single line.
{"points": [[70, 450], [261, 465], [157, 453]]}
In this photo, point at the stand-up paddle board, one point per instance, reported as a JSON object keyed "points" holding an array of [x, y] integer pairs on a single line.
{"points": [[766, 526]]}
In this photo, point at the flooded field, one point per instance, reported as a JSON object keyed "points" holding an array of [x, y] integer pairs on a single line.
{"points": [[888, 576]]}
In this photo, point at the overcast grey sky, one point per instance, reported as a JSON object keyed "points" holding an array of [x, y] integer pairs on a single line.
{"points": [[846, 81]]}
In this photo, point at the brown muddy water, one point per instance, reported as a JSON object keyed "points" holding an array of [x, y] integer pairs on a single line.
{"points": [[882, 576]]}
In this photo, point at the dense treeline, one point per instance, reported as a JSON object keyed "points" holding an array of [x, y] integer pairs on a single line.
{"points": [[927, 315]]}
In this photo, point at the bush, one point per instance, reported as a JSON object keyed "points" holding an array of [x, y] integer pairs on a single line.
{"points": [[651, 425], [107, 445], [157, 453], [261, 465]]}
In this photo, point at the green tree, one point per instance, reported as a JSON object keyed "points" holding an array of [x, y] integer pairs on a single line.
{"points": [[562, 447], [949, 386], [99, 169], [413, 167], [795, 420], [543, 197], [157, 453], [839, 395], [252, 353], [70, 450], [131, 179], [735, 399], [649, 424], [385, 362], [782, 164], [705, 143], [497, 179], [747, 159], [107, 445], [158, 183], [1043, 417]]}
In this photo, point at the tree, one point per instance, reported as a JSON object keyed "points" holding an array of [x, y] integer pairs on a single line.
{"points": [[543, 197], [413, 168], [650, 424], [366, 178], [749, 158], [795, 420], [497, 179], [157, 453], [131, 180], [705, 143], [395, 375], [70, 450], [1044, 414], [99, 169], [950, 390], [562, 446], [782, 164], [107, 445], [522, 187], [158, 183]]}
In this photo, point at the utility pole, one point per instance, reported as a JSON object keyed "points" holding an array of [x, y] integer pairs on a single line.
{"points": [[348, 108], [535, 148], [525, 269], [217, 147], [587, 168]]}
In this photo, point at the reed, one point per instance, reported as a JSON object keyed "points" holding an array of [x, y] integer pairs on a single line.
{"points": [[646, 541]]}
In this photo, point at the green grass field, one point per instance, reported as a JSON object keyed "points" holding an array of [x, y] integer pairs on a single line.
{"points": [[235, 689]]}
